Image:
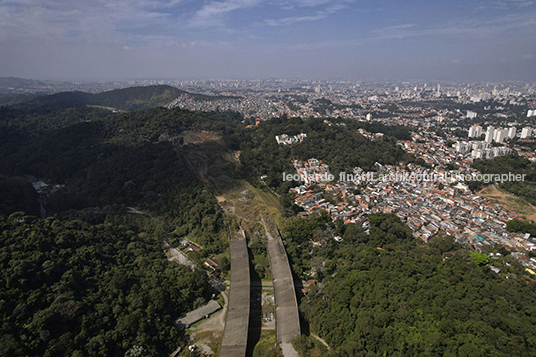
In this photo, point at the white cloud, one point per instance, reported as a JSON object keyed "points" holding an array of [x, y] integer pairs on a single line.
{"points": [[395, 31], [211, 14], [293, 19], [467, 28], [505, 4], [296, 19], [312, 3], [64, 20]]}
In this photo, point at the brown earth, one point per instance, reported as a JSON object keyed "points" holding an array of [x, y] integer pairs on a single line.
{"points": [[509, 201]]}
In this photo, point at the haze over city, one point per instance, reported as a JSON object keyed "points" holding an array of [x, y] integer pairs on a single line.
{"points": [[117, 40]]}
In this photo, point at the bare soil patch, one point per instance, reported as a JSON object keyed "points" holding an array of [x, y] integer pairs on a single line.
{"points": [[509, 201]]}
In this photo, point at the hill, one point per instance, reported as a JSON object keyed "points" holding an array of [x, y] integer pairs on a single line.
{"points": [[516, 165], [125, 99], [12, 84], [18, 90], [132, 98]]}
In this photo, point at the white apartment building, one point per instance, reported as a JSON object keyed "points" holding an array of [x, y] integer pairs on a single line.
{"points": [[511, 133], [526, 132]]}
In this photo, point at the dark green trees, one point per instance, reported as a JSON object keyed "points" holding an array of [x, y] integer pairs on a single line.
{"points": [[411, 299], [69, 286]]}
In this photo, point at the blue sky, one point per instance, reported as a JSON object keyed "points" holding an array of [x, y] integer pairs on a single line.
{"points": [[320, 39]]}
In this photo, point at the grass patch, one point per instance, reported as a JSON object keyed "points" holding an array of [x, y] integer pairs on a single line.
{"points": [[266, 346], [211, 339]]}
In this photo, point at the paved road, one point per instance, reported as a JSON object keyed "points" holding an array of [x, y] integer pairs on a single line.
{"points": [[287, 320], [235, 334]]}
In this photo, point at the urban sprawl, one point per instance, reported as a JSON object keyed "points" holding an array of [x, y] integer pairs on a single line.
{"points": [[451, 124]]}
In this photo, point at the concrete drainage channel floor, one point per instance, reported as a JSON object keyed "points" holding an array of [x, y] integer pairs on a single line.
{"points": [[287, 322]]}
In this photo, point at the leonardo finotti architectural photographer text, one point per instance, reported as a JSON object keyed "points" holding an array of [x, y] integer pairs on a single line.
{"points": [[404, 177]]}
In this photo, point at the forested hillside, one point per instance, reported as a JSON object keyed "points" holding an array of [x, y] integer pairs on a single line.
{"points": [[133, 98], [17, 194], [94, 280], [339, 146], [99, 154], [70, 288], [387, 294], [59, 143]]}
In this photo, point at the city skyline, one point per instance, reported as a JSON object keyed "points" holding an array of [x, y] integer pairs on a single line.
{"points": [[118, 40]]}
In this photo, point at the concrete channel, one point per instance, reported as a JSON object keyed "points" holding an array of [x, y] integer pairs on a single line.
{"points": [[287, 319], [235, 333]]}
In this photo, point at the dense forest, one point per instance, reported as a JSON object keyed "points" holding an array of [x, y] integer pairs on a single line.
{"points": [[387, 294], [17, 194], [91, 279], [69, 286], [57, 144]]}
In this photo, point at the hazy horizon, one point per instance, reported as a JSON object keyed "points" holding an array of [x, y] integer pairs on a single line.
{"points": [[245, 39]]}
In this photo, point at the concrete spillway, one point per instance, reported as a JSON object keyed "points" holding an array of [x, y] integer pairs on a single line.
{"points": [[287, 319], [235, 333]]}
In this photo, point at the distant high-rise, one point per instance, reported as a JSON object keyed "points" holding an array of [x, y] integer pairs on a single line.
{"points": [[476, 145], [531, 113], [526, 132], [512, 133], [472, 131], [500, 135], [476, 154], [471, 115], [485, 96], [490, 133], [369, 117], [475, 131]]}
